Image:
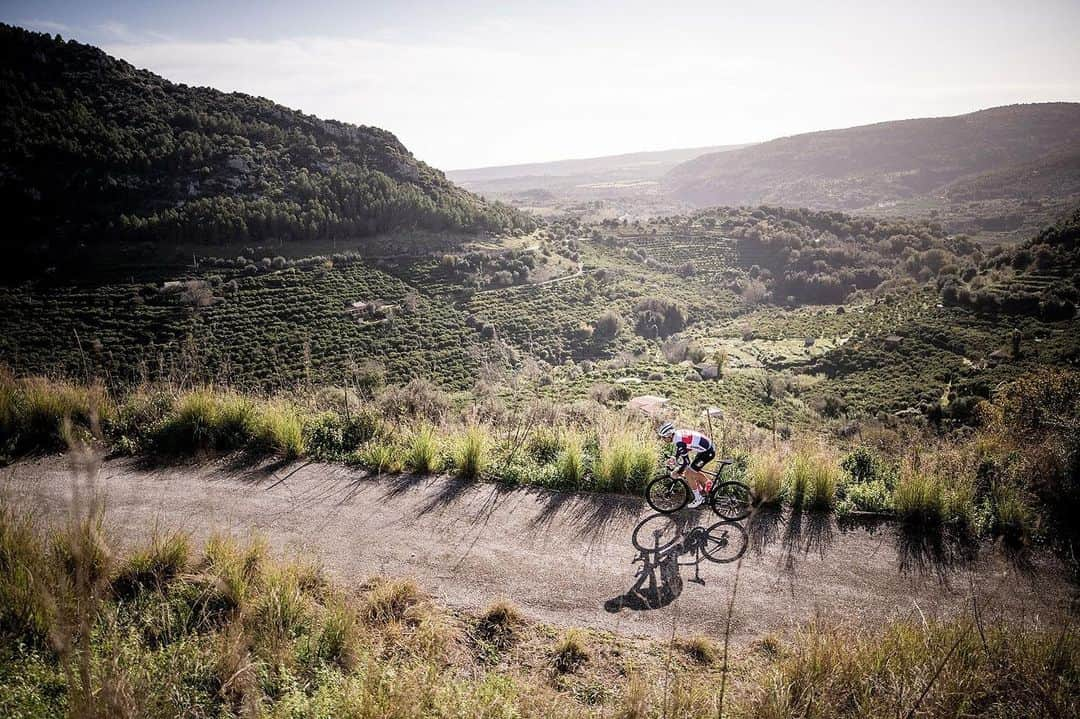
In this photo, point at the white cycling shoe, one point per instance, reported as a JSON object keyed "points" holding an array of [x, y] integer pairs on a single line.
{"points": [[697, 501]]}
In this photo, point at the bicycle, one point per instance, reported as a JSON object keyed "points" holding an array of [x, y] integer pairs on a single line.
{"points": [[730, 499]]}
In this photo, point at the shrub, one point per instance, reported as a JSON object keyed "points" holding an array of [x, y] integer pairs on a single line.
{"points": [[872, 496], [137, 417], [765, 475], [153, 567], [380, 456], [1011, 516], [192, 426], [544, 444], [419, 399], [607, 325], [823, 483], [700, 649], [864, 464], [422, 451], [389, 600], [570, 652], [658, 318], [471, 455], [623, 464], [280, 428], [799, 477], [324, 436], [499, 623], [368, 377], [570, 464], [919, 499]]}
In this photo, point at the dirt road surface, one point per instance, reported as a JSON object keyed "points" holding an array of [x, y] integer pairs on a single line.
{"points": [[565, 559]]}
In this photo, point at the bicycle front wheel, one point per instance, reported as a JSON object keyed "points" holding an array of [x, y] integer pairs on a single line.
{"points": [[731, 500], [667, 494]]}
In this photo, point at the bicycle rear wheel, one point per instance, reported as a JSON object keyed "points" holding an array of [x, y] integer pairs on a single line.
{"points": [[731, 500], [667, 494], [724, 542]]}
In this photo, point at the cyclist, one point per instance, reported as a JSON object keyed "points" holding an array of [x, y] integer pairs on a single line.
{"points": [[687, 441]]}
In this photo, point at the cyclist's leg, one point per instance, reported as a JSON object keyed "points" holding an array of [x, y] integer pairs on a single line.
{"points": [[702, 458], [695, 479]]}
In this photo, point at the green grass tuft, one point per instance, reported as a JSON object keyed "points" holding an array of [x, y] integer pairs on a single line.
{"points": [[422, 451], [570, 651], [471, 457], [152, 567]]}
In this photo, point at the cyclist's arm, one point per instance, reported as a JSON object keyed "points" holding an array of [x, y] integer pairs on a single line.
{"points": [[682, 455]]}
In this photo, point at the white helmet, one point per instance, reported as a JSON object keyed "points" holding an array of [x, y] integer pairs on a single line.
{"points": [[667, 430]]}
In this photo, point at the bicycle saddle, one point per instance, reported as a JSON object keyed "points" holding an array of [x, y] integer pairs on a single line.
{"points": [[726, 462]]}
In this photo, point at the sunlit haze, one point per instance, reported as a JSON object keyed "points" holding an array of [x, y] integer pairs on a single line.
{"points": [[477, 83]]}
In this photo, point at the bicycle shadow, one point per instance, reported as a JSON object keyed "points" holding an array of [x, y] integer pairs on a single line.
{"points": [[666, 543]]}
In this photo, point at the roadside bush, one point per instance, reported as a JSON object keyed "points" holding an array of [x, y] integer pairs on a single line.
{"points": [[872, 496], [623, 464], [332, 436], [33, 412], [800, 475], [1011, 516], [919, 500], [206, 420], [151, 568], [570, 464], [765, 475], [471, 456], [864, 464], [380, 456], [570, 652], [279, 428], [545, 444], [422, 450], [137, 417], [419, 399], [824, 481]]}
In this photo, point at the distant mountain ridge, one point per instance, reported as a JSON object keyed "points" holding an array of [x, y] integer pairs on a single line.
{"points": [[623, 168], [94, 150], [859, 167]]}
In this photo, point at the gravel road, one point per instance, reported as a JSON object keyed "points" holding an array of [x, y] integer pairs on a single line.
{"points": [[565, 559]]}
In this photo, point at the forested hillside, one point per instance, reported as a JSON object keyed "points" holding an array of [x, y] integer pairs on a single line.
{"points": [[860, 167], [93, 150]]}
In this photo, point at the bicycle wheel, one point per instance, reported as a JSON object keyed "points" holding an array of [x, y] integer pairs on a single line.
{"points": [[667, 494], [657, 532], [731, 500], [724, 542]]}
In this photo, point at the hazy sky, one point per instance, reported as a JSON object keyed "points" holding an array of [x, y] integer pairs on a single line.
{"points": [[473, 83]]}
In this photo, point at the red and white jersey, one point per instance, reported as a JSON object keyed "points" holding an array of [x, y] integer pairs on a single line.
{"points": [[691, 440]]}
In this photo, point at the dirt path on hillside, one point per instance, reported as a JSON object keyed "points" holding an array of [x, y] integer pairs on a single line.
{"points": [[563, 558]]}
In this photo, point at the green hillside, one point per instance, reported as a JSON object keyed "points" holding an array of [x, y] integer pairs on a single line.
{"points": [[94, 151]]}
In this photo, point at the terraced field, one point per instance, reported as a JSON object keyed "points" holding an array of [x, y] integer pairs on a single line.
{"points": [[261, 331]]}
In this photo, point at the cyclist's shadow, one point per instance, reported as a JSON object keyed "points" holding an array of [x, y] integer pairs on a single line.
{"points": [[667, 542]]}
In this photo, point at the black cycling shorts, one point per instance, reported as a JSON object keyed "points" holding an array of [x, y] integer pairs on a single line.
{"points": [[702, 458]]}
